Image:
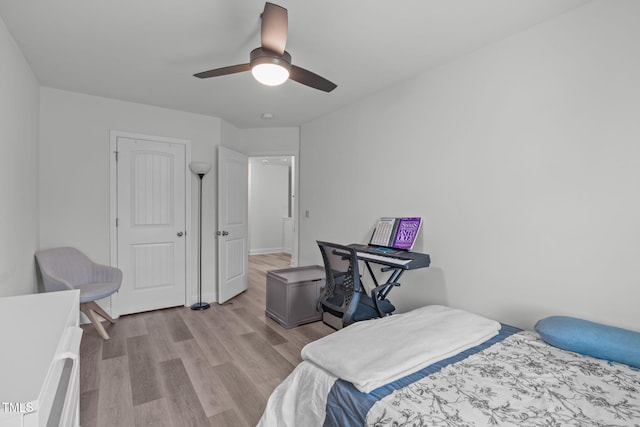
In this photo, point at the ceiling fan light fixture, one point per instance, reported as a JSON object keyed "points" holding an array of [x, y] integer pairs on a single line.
{"points": [[270, 74], [270, 68]]}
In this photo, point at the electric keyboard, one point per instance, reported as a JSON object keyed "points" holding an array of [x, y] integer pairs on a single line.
{"points": [[405, 260]]}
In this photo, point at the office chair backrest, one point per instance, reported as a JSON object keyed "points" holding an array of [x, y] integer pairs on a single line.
{"points": [[343, 288]]}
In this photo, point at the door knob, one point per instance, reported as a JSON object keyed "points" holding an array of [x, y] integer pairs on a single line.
{"points": [[180, 233], [223, 233]]}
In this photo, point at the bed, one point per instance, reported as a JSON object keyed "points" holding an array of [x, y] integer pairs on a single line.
{"points": [[438, 366]]}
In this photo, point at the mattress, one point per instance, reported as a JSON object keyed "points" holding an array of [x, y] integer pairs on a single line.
{"points": [[511, 379]]}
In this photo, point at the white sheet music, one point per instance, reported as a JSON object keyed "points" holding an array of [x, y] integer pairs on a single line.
{"points": [[382, 235]]}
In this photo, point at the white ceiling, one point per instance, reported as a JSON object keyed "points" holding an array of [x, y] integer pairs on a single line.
{"points": [[146, 51]]}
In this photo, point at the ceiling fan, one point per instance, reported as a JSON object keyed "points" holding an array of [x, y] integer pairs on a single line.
{"points": [[270, 64]]}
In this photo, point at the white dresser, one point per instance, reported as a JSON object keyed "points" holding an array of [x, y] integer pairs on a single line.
{"points": [[39, 360]]}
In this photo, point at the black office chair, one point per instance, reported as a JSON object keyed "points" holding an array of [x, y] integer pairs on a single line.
{"points": [[343, 299]]}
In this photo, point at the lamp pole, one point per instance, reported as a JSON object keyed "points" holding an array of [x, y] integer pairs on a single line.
{"points": [[200, 169]]}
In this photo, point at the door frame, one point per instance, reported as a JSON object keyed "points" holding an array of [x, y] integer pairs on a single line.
{"points": [[295, 154], [113, 206]]}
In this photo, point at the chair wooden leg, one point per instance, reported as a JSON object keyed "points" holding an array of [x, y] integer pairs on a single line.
{"points": [[95, 307], [88, 309]]}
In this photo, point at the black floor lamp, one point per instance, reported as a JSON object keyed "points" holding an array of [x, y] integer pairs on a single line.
{"points": [[200, 169]]}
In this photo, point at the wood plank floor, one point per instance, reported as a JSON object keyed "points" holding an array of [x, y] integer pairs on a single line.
{"points": [[178, 367]]}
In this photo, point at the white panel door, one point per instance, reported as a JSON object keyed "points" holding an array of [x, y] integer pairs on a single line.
{"points": [[151, 224], [233, 227]]}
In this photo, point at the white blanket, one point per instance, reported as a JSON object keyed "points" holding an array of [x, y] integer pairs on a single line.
{"points": [[376, 352], [300, 400]]}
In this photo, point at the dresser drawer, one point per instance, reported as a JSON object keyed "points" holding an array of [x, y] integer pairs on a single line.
{"points": [[41, 383]]}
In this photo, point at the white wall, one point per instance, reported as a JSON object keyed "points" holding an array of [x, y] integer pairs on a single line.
{"points": [[19, 98], [264, 141], [523, 159], [74, 171], [229, 135], [268, 206]]}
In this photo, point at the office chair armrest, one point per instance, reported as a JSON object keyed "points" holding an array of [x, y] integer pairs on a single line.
{"points": [[380, 290], [379, 293]]}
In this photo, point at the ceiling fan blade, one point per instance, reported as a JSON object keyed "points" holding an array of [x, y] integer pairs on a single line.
{"points": [[310, 79], [275, 26], [223, 71]]}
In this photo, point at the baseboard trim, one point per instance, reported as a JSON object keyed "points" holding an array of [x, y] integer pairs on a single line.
{"points": [[270, 251]]}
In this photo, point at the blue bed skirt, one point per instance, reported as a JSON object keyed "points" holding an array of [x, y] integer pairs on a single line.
{"points": [[348, 407]]}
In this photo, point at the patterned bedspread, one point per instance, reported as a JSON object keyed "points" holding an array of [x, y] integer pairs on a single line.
{"points": [[520, 381]]}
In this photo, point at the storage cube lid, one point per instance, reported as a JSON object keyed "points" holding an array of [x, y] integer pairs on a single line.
{"points": [[299, 274]]}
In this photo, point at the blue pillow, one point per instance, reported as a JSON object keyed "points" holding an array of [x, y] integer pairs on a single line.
{"points": [[592, 339]]}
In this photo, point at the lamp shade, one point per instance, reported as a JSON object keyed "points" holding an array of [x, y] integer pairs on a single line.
{"points": [[200, 168]]}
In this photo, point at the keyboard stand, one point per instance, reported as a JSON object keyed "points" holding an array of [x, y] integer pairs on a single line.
{"points": [[395, 276], [397, 262]]}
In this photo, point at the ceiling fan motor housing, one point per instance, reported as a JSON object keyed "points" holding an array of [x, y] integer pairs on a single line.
{"points": [[261, 55]]}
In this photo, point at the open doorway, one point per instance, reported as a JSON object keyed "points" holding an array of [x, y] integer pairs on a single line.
{"points": [[272, 205]]}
